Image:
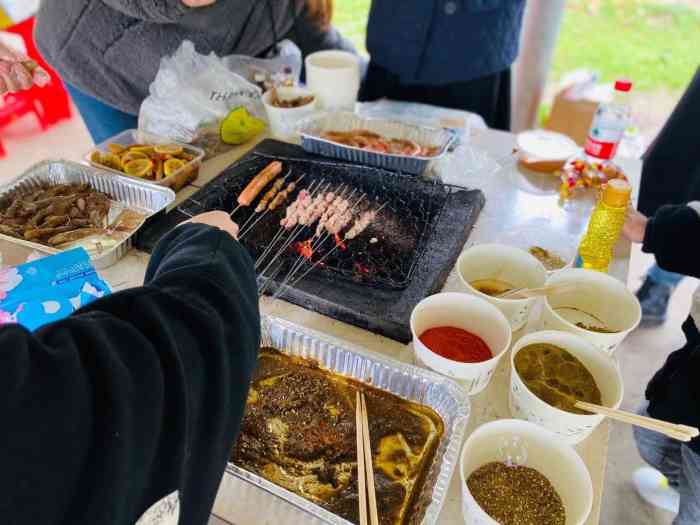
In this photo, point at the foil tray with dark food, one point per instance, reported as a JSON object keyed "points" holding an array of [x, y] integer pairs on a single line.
{"points": [[384, 255], [59, 205], [298, 437]]}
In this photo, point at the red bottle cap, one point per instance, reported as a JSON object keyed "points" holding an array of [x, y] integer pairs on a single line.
{"points": [[623, 85]]}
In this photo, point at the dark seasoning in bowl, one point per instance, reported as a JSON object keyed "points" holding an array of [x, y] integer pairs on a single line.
{"points": [[516, 495]]}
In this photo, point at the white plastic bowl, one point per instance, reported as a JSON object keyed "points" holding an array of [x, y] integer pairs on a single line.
{"points": [[573, 428], [283, 121], [544, 452], [513, 265], [599, 295], [470, 313]]}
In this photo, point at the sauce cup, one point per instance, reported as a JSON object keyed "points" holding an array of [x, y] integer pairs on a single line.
{"points": [[573, 428], [517, 267], [533, 447], [469, 313], [599, 298], [283, 121]]}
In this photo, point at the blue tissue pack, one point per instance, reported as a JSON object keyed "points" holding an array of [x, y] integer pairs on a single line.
{"points": [[49, 289]]}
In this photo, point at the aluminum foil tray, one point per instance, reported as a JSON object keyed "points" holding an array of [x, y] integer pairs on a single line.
{"points": [[133, 194], [443, 395], [311, 128]]}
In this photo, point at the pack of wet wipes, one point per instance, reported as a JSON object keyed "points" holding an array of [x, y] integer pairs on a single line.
{"points": [[49, 289]]}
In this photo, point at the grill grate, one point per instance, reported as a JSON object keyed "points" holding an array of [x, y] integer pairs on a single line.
{"points": [[385, 255]]}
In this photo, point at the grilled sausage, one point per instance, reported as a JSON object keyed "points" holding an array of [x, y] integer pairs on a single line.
{"points": [[262, 179]]}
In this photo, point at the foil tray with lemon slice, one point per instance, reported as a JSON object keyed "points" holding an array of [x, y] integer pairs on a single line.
{"points": [[417, 423]]}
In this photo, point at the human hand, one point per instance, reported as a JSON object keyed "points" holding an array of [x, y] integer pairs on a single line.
{"points": [[218, 219], [198, 3], [635, 226], [19, 72]]}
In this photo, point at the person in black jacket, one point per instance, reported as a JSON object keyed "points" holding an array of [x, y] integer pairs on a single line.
{"points": [[670, 175], [126, 412], [674, 392]]}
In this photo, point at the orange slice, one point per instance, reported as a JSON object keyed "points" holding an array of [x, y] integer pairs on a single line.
{"points": [[142, 168], [172, 166], [168, 149]]}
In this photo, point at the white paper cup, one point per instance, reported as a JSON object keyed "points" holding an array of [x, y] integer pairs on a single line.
{"points": [[601, 296], [283, 121], [470, 313], [542, 451], [573, 428], [506, 263], [334, 77]]}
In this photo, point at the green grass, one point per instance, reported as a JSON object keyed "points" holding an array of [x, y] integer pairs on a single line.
{"points": [[656, 45]]}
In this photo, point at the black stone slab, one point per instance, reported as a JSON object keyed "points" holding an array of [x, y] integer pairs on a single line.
{"points": [[382, 311]]}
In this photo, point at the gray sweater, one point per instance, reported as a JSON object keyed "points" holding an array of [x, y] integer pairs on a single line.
{"points": [[111, 49]]}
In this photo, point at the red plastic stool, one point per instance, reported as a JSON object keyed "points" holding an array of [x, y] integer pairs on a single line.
{"points": [[50, 104]]}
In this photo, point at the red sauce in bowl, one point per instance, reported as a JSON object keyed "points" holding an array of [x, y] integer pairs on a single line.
{"points": [[456, 344]]}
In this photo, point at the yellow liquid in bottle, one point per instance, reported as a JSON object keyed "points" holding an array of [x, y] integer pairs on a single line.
{"points": [[604, 229]]}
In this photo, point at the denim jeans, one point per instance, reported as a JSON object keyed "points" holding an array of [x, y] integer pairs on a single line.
{"points": [[658, 275], [678, 463], [102, 121]]}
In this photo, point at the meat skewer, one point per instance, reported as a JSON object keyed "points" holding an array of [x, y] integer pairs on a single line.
{"points": [[259, 182], [279, 198]]}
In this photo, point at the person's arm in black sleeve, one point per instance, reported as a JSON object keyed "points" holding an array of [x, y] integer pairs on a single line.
{"points": [[671, 235], [136, 396]]}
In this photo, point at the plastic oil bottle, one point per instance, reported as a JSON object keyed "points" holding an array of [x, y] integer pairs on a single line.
{"points": [[605, 226]]}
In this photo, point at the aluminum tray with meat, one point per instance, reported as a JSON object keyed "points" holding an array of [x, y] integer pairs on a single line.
{"points": [[354, 222], [59, 205], [383, 143]]}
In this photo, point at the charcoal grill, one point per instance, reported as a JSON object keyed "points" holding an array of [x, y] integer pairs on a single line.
{"points": [[372, 285], [384, 255]]}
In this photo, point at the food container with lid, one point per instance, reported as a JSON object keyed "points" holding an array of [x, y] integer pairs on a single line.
{"points": [[531, 446], [473, 314], [600, 300], [573, 428], [503, 263], [283, 121], [131, 137], [544, 151]]}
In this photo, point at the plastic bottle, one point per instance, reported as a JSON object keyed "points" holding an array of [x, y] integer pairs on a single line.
{"points": [[609, 123], [605, 225]]}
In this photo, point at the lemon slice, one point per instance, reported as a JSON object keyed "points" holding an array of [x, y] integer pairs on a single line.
{"points": [[116, 148], [239, 126], [168, 149], [172, 166], [146, 150], [133, 155], [96, 157], [139, 168], [112, 161]]}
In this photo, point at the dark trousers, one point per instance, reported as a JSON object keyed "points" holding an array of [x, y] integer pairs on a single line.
{"points": [[487, 96]]}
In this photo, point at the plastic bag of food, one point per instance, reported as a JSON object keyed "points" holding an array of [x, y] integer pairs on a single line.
{"points": [[197, 99], [282, 67]]}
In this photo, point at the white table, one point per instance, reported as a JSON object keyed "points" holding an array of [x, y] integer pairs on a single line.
{"points": [[515, 202]]}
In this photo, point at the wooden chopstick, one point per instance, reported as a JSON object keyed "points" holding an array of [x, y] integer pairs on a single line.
{"points": [[374, 516], [365, 470], [526, 293], [675, 431], [359, 424]]}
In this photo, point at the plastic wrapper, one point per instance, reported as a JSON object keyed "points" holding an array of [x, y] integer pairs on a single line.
{"points": [[209, 101], [48, 289]]}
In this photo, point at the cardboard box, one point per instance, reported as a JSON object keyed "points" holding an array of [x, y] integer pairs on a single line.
{"points": [[571, 117]]}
